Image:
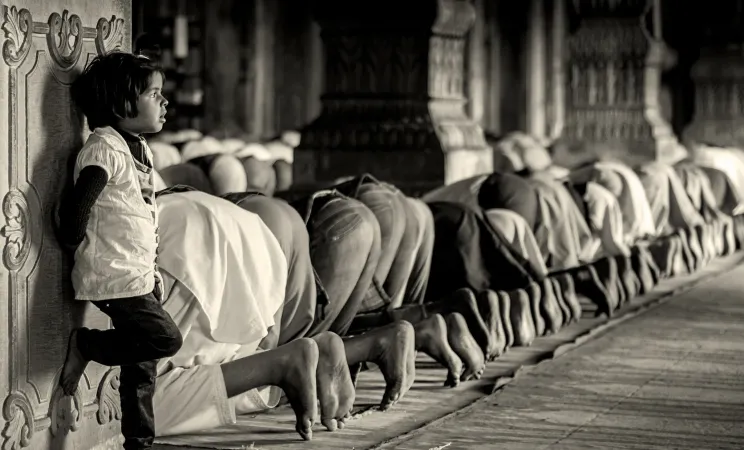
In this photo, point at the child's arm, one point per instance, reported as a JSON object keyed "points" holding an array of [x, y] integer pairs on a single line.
{"points": [[76, 212]]}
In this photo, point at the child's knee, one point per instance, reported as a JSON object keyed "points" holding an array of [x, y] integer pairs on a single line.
{"points": [[169, 341]]}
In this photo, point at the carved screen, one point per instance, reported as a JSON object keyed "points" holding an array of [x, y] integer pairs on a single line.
{"points": [[43, 51]]}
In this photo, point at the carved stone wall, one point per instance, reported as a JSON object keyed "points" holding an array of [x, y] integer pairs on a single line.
{"points": [[718, 76], [615, 58], [394, 98], [44, 47]]}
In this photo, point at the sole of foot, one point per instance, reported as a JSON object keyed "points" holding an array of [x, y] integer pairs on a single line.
{"points": [[465, 303], [335, 388], [488, 305], [431, 338], [465, 347], [393, 349], [299, 383]]}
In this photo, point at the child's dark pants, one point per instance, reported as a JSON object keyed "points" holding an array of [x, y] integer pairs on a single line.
{"points": [[143, 333]]}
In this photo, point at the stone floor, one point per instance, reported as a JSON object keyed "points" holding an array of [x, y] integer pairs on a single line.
{"points": [[670, 378], [632, 386]]}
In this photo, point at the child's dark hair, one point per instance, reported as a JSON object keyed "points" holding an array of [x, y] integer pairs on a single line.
{"points": [[109, 87]]}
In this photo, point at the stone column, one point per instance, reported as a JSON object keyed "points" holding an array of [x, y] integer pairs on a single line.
{"points": [[493, 72], [557, 64], [394, 103], [536, 73], [477, 61], [719, 78], [614, 66]]}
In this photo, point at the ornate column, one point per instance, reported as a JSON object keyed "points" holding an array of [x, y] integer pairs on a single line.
{"points": [[536, 71], [719, 77], [614, 67], [394, 100], [557, 63]]}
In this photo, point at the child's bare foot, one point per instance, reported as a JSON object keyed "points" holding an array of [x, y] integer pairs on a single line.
{"points": [[335, 389], [74, 367]]}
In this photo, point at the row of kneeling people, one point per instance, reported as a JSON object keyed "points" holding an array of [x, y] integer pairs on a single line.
{"points": [[228, 165], [294, 295]]}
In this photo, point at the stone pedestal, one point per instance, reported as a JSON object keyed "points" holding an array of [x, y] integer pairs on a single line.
{"points": [[393, 103], [613, 76]]}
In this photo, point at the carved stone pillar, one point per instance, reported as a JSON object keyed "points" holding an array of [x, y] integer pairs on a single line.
{"points": [[45, 45], [614, 66], [719, 78], [536, 73], [394, 100], [557, 63]]}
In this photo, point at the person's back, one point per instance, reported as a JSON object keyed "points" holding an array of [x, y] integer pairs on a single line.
{"points": [[110, 220]]}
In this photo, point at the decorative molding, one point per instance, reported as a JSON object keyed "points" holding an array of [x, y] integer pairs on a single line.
{"points": [[61, 29], [109, 35], [109, 405], [18, 27], [19, 418], [17, 218], [60, 41], [65, 412]]}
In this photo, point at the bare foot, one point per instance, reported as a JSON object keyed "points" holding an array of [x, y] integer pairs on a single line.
{"points": [[431, 338], [606, 269], [549, 308], [505, 311], [566, 285], [521, 318], [464, 302], [74, 366], [299, 383], [393, 349], [535, 295], [488, 305], [562, 305], [464, 345], [335, 389]]}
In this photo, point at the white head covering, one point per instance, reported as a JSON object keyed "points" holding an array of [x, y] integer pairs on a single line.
{"points": [[164, 155], [291, 138], [517, 151], [227, 175], [256, 150], [280, 150], [232, 145], [204, 147]]}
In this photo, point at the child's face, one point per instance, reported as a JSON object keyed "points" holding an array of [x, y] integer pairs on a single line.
{"points": [[151, 109]]}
